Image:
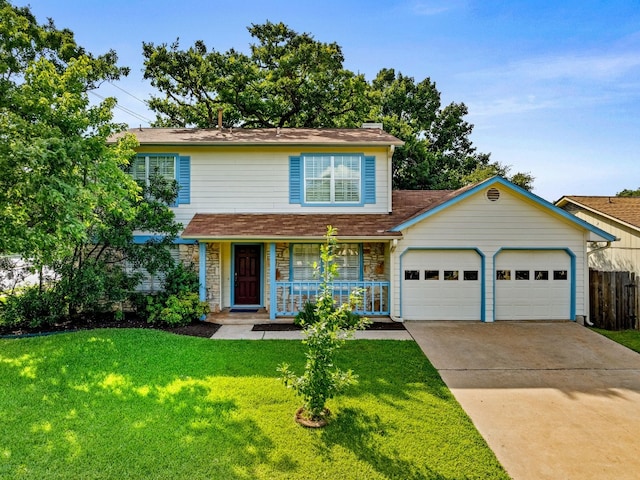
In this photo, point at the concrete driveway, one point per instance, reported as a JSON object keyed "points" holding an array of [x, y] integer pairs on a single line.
{"points": [[553, 400]]}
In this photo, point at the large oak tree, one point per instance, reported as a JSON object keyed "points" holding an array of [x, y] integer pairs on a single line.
{"points": [[289, 79]]}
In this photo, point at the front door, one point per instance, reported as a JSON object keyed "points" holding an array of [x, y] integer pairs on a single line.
{"points": [[247, 275]]}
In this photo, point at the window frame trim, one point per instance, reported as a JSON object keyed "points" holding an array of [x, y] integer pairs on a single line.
{"points": [[360, 266], [331, 202], [146, 164]]}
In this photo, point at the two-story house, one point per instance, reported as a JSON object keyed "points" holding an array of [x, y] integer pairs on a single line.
{"points": [[256, 204]]}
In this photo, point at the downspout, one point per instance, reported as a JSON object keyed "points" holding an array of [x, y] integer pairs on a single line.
{"points": [[392, 149], [392, 269]]}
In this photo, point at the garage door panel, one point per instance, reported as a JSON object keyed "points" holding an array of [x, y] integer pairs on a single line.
{"points": [[426, 298], [544, 293]]}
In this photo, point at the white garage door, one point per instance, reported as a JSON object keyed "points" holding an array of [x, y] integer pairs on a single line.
{"points": [[441, 285], [533, 285]]}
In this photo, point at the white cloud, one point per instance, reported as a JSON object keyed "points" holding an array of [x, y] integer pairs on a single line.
{"points": [[580, 67], [552, 82]]}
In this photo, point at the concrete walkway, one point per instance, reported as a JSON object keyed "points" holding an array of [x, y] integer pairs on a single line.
{"points": [[553, 400], [244, 332]]}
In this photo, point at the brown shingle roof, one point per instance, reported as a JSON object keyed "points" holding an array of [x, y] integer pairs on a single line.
{"points": [[624, 209], [262, 136], [406, 204]]}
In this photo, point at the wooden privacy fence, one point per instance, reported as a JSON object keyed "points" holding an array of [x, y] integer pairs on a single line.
{"points": [[613, 299]]}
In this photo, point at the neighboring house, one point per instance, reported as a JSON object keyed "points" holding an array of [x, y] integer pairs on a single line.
{"points": [[256, 203], [618, 215]]}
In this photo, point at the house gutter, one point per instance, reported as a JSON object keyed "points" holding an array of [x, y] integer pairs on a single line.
{"points": [[296, 239], [599, 248]]}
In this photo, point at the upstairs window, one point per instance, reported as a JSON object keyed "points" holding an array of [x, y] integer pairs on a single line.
{"points": [[167, 165], [144, 166], [332, 179]]}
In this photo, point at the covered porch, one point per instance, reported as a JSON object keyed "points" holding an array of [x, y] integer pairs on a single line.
{"points": [[265, 261], [231, 281]]}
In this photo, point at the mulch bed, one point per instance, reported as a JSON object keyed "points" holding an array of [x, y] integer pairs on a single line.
{"points": [[195, 329], [290, 327]]}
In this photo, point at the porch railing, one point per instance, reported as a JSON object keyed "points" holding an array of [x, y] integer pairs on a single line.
{"points": [[291, 296]]}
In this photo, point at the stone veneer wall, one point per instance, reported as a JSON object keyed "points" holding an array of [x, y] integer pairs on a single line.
{"points": [[374, 261], [190, 254]]}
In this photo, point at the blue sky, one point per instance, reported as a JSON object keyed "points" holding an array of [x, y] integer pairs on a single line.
{"points": [[553, 87]]}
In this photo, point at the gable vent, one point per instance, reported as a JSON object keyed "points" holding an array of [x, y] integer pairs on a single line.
{"points": [[493, 194]]}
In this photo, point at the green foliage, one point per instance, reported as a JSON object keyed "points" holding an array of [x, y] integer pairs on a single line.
{"points": [[66, 198], [32, 307], [628, 338], [175, 310], [438, 152], [628, 193], [326, 327], [94, 286], [53, 154], [524, 180], [178, 303], [289, 80]]}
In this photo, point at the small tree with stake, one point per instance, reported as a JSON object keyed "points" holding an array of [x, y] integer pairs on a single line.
{"points": [[326, 327]]}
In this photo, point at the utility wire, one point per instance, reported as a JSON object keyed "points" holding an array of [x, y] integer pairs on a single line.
{"points": [[123, 90], [124, 109]]}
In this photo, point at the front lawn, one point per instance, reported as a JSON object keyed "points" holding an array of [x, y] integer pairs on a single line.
{"points": [[628, 338], [118, 404]]}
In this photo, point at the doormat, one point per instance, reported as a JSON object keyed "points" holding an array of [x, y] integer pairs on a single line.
{"points": [[243, 310], [290, 327], [275, 327]]}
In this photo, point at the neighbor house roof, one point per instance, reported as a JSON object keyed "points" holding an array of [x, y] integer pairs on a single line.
{"points": [[406, 204], [622, 209], [262, 136]]}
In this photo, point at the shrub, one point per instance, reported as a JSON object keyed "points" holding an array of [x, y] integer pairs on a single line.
{"points": [[178, 303], [176, 310], [32, 308]]}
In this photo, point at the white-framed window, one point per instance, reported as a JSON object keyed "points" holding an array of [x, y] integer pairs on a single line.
{"points": [[332, 178], [144, 166], [148, 282], [304, 255]]}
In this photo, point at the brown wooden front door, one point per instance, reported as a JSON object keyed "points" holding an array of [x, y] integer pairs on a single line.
{"points": [[247, 275]]}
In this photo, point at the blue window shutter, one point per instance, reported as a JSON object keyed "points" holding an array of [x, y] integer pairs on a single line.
{"points": [[295, 179], [369, 179], [184, 180]]}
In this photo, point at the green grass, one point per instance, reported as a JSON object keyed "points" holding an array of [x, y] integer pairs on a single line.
{"points": [[628, 338], [119, 404]]}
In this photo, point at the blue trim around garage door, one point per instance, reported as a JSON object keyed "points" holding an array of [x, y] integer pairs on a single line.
{"points": [[452, 249], [568, 251]]}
